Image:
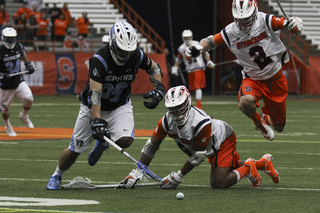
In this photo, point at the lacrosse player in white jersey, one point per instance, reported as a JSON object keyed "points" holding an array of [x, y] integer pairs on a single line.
{"points": [[199, 136], [195, 67], [254, 38]]}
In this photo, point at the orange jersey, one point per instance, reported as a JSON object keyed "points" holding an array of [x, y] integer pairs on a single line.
{"points": [[60, 27], [4, 18], [22, 10], [83, 27], [42, 30], [67, 15]]}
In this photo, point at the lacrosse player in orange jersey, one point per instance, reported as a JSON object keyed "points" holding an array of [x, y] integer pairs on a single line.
{"points": [[254, 38], [195, 68], [199, 137]]}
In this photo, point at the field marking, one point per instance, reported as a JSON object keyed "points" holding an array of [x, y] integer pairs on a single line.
{"points": [[12, 210], [31, 201]]}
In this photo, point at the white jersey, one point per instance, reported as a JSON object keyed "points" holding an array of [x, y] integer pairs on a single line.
{"points": [[261, 53], [196, 63], [198, 119]]}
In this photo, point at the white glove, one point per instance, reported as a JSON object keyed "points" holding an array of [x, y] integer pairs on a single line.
{"points": [[193, 51], [295, 25], [172, 180], [130, 180], [174, 71], [197, 158], [210, 64]]}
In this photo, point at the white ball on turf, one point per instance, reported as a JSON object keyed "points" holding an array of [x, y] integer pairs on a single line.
{"points": [[180, 196]]}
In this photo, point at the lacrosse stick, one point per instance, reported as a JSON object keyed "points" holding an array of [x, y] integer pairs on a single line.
{"points": [[141, 167], [18, 73], [282, 10], [214, 65], [81, 183]]}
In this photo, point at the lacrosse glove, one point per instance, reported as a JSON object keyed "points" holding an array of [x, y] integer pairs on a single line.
{"points": [[295, 25], [130, 180], [172, 180], [99, 129], [156, 95], [29, 67], [193, 51]]}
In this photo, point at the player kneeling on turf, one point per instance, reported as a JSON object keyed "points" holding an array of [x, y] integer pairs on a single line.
{"points": [[199, 137]]}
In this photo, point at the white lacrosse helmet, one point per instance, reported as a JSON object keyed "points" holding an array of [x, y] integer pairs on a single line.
{"points": [[9, 37], [245, 14], [123, 41], [187, 36], [178, 104]]}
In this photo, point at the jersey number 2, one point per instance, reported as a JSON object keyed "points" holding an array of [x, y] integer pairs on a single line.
{"points": [[261, 60]]}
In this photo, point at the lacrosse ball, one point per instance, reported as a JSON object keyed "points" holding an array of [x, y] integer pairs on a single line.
{"points": [[180, 196]]}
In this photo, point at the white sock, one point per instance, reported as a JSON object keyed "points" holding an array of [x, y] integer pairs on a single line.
{"points": [[198, 94], [238, 175], [7, 122], [58, 172]]}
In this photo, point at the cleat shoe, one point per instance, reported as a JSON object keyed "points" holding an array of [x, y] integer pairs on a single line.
{"points": [[54, 182], [26, 120], [254, 175], [96, 153], [269, 169], [10, 131], [265, 130]]}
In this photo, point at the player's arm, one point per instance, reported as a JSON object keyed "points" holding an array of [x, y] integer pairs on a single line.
{"points": [[295, 24], [27, 63], [156, 95], [175, 67], [95, 98]]}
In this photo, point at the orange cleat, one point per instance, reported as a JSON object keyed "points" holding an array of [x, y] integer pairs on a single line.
{"points": [[269, 169], [265, 130], [253, 175]]}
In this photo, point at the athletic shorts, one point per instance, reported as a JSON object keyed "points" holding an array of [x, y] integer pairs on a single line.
{"points": [[120, 124], [227, 155], [6, 96], [273, 93], [197, 80]]}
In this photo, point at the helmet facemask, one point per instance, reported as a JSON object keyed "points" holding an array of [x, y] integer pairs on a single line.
{"points": [[178, 104], [245, 14], [187, 36], [9, 37], [123, 42]]}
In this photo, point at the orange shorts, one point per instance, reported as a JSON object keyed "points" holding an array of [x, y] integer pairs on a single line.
{"points": [[227, 155], [197, 80], [273, 93]]}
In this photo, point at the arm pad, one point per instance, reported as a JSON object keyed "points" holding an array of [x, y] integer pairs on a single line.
{"points": [[149, 149], [156, 70], [210, 41]]}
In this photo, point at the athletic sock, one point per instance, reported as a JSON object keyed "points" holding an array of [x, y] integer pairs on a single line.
{"points": [[58, 172], [260, 164], [242, 171], [256, 118], [198, 104]]}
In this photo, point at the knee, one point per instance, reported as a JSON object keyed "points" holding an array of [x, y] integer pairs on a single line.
{"points": [[246, 102], [278, 128], [124, 142], [219, 185], [27, 102]]}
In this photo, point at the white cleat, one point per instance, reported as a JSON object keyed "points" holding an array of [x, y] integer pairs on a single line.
{"points": [[265, 130], [10, 131], [26, 120]]}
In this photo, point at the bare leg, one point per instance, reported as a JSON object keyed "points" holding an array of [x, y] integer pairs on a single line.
{"points": [[67, 158]]}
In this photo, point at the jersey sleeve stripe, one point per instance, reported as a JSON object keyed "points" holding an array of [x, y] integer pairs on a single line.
{"points": [[199, 125], [267, 21], [141, 57], [166, 125], [99, 57], [226, 36]]}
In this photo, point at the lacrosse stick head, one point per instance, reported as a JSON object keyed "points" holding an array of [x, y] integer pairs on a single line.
{"points": [[79, 183], [147, 174]]}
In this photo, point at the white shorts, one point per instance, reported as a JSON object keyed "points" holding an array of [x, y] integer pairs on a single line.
{"points": [[6, 96], [120, 124]]}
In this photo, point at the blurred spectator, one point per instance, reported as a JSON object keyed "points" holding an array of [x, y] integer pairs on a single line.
{"points": [[42, 30], [67, 14], [35, 12], [4, 18], [81, 43], [83, 23], [39, 4], [24, 9], [60, 28], [68, 41], [32, 26], [54, 14], [21, 26]]}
